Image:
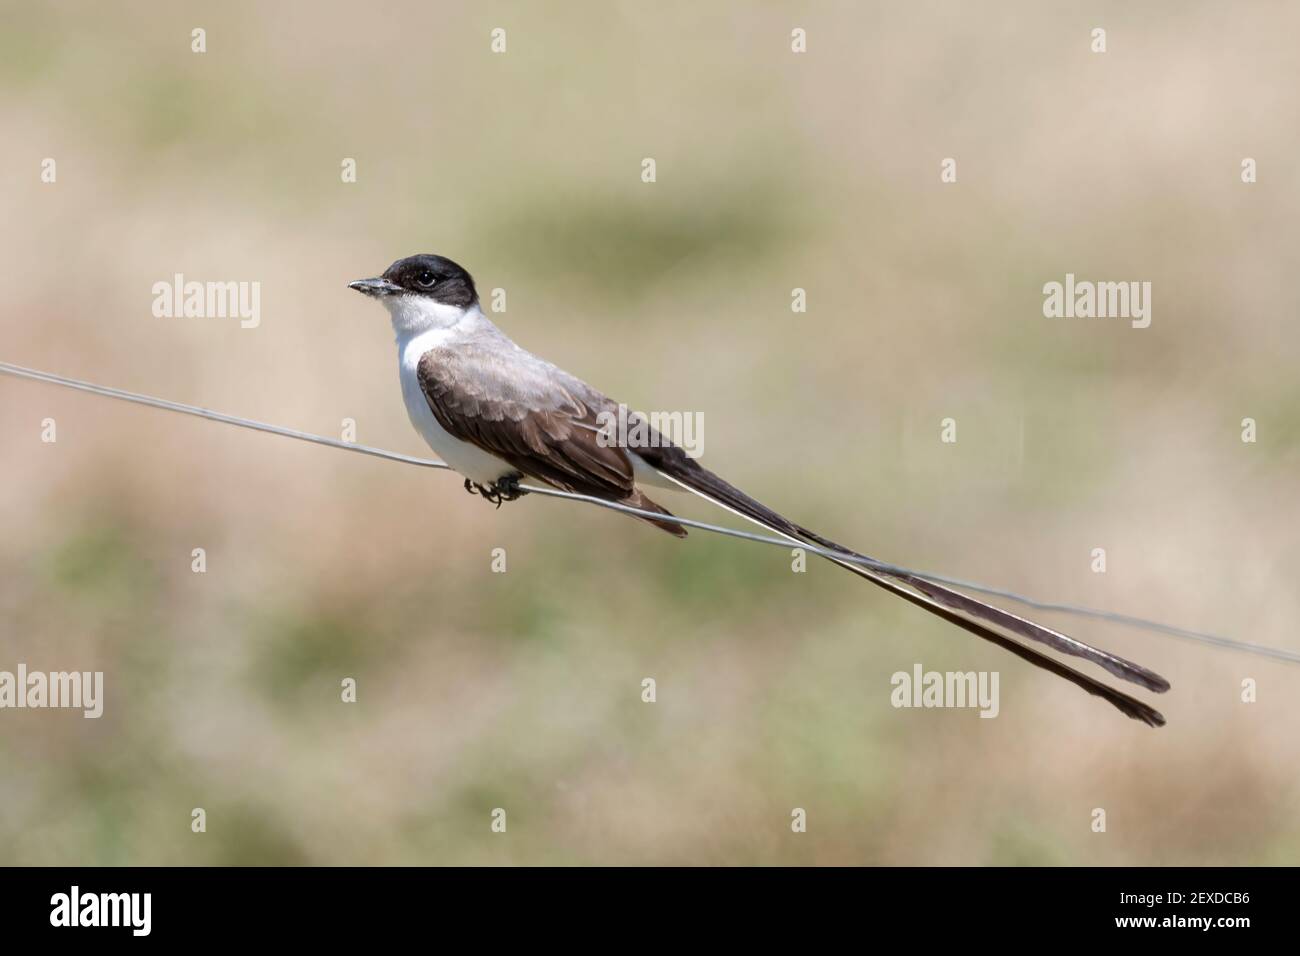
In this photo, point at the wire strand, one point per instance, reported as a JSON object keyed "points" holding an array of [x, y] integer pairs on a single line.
{"points": [[106, 391]]}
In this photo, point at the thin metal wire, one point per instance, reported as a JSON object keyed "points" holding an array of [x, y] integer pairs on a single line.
{"points": [[1214, 640]]}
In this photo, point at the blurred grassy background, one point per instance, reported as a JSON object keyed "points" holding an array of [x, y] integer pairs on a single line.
{"points": [[522, 690]]}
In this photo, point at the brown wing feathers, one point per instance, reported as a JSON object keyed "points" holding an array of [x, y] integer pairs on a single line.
{"points": [[555, 440]]}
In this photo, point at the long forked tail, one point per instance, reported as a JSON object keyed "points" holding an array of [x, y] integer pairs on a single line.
{"points": [[944, 602]]}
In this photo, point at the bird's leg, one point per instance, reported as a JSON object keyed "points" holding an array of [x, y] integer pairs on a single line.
{"points": [[469, 486], [507, 488]]}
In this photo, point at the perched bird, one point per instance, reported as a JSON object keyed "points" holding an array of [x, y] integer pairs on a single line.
{"points": [[497, 414]]}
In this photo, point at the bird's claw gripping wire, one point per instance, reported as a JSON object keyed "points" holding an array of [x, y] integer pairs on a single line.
{"points": [[503, 489], [507, 489]]}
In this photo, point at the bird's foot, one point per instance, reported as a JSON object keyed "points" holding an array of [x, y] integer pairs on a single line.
{"points": [[487, 492], [507, 489], [503, 489]]}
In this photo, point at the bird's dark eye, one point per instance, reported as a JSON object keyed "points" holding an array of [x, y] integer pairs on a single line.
{"points": [[425, 278]]}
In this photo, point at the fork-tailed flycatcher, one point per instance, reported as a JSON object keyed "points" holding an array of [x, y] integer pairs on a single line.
{"points": [[497, 414]]}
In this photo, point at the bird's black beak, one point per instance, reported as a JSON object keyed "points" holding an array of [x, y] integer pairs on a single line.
{"points": [[375, 287]]}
